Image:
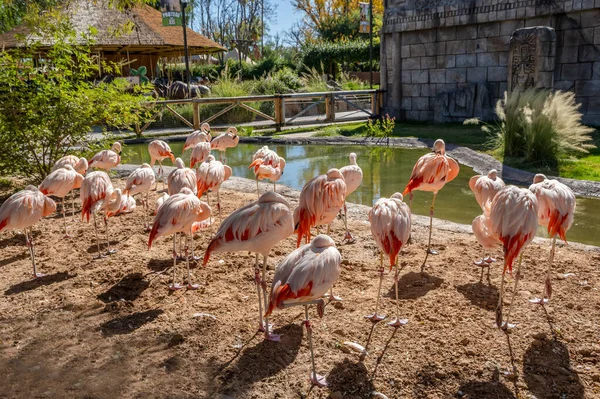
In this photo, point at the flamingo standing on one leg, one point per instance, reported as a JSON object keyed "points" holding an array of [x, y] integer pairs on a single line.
{"points": [[302, 278], [210, 175], [181, 177], [267, 165], [200, 154], [141, 181], [390, 221], [556, 211], [222, 142], [431, 172], [79, 164], [178, 215], [485, 188], [353, 177], [21, 211], [198, 136], [59, 183], [107, 159], [160, 150], [96, 194], [256, 227], [481, 231], [512, 219]]}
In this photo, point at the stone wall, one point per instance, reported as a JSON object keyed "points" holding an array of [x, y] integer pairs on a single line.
{"points": [[448, 60]]}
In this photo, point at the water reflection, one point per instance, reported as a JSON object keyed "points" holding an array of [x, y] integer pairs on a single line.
{"points": [[385, 170]]}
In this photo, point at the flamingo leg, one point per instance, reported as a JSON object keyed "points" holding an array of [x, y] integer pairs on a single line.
{"points": [[507, 325], [268, 336], [174, 286], [274, 187], [31, 247], [99, 256], [108, 250], [64, 218], [146, 206], [376, 318], [316, 379], [499, 315], [219, 204], [257, 189], [190, 286], [332, 297], [397, 322], [261, 326], [429, 250], [73, 203], [547, 283]]}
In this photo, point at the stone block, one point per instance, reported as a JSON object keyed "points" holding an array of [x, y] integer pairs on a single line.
{"points": [[564, 85], [508, 27], [568, 55], [503, 59], [489, 30], [435, 49], [597, 35], [590, 18], [589, 54], [428, 62], [437, 76], [546, 64], [596, 71], [427, 36], [411, 63], [482, 17], [456, 47], [497, 74], [427, 90], [458, 75], [412, 115], [579, 71], [445, 61], [406, 76], [475, 75], [544, 80], [406, 103], [587, 34], [466, 60], [410, 37], [417, 50], [425, 116], [573, 37], [498, 43], [466, 32], [487, 59], [445, 34], [591, 119], [588, 4], [476, 46], [405, 51], [420, 76], [544, 20], [583, 104], [411, 90], [420, 103], [594, 105], [531, 49], [521, 12], [511, 14], [502, 88], [569, 21]]}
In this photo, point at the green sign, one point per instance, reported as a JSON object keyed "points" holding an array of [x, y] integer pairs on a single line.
{"points": [[171, 12]]}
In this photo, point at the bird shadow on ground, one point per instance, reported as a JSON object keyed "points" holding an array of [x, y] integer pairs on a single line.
{"points": [[38, 282], [8, 261], [351, 379], [92, 249], [492, 389], [547, 371], [259, 362], [160, 265], [413, 285], [382, 354], [130, 323], [477, 293], [129, 288]]}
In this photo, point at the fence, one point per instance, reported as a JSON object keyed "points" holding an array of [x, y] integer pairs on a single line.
{"points": [[276, 110]]}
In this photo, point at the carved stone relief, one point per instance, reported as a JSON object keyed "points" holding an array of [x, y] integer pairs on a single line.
{"points": [[531, 58]]}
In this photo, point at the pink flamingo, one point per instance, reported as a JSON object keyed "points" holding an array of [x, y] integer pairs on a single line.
{"points": [[256, 227], [177, 215], [59, 183], [79, 164], [126, 205], [222, 142], [21, 211], [481, 230], [512, 219], [96, 193], [321, 199], [484, 188], [431, 173], [160, 150], [200, 154], [353, 177], [141, 181], [160, 201], [107, 159], [181, 177], [556, 212], [390, 220], [198, 136], [210, 175], [302, 278], [267, 165]]}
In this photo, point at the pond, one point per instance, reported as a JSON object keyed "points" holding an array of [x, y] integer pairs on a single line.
{"points": [[385, 171]]}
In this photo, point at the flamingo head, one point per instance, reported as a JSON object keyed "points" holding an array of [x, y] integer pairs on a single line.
{"points": [[398, 196], [116, 147], [539, 178], [82, 165], [439, 147], [233, 130], [492, 174], [180, 164], [281, 164], [205, 128], [352, 157]]}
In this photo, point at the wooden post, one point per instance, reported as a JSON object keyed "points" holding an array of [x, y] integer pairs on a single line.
{"points": [[196, 113], [279, 113], [374, 100], [330, 107]]}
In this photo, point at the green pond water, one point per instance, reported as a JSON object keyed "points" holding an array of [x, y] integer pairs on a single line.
{"points": [[385, 171]]}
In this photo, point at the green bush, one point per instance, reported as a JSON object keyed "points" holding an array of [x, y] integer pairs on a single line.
{"points": [[328, 54]]}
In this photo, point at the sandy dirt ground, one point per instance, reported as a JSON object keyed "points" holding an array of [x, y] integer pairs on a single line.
{"points": [[110, 328]]}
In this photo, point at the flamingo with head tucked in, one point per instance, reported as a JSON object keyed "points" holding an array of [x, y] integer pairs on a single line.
{"points": [[222, 142], [181, 177], [107, 159], [256, 227], [267, 165], [159, 151], [210, 175], [353, 177], [21, 211], [431, 173], [301, 279], [200, 154], [556, 211], [141, 181], [79, 164], [59, 183], [198, 136]]}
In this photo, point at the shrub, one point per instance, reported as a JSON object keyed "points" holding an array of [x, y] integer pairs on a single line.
{"points": [[327, 53]]}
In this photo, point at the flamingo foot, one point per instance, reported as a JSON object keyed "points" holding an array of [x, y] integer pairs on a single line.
{"points": [[99, 256], [272, 337], [348, 238], [193, 287], [334, 298], [375, 318], [67, 235], [480, 262], [261, 327], [111, 252], [175, 287], [397, 322], [431, 251], [318, 380], [195, 258], [148, 229], [539, 301], [489, 259], [39, 275]]}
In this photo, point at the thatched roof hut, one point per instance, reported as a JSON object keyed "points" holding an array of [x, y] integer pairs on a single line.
{"points": [[145, 44]]}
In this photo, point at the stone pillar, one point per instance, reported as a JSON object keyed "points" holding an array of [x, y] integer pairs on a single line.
{"points": [[531, 58], [394, 84]]}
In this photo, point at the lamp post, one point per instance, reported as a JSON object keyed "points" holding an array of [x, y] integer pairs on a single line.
{"points": [[371, 44], [184, 4]]}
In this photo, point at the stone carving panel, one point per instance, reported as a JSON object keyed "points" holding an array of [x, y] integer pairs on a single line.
{"points": [[531, 58], [463, 103]]}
